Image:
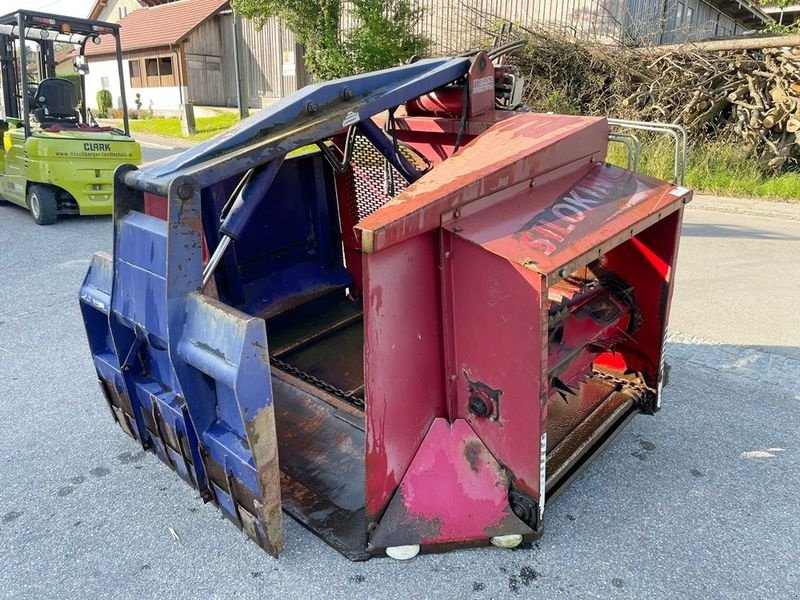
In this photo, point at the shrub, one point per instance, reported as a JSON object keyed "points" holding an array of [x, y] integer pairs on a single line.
{"points": [[103, 103]]}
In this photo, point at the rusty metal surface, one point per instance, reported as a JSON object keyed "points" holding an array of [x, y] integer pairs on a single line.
{"points": [[577, 450], [565, 414], [337, 358], [299, 332], [322, 462]]}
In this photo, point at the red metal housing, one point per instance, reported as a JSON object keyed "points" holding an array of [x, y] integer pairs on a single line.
{"points": [[471, 386]]}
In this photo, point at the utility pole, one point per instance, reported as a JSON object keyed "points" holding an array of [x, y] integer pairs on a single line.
{"points": [[242, 100]]}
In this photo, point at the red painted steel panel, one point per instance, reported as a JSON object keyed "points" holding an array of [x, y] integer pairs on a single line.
{"points": [[454, 491], [510, 152], [496, 318], [155, 205], [647, 263], [402, 360], [546, 229]]}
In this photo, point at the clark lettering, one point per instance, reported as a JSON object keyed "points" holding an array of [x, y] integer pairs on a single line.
{"points": [[97, 147]]}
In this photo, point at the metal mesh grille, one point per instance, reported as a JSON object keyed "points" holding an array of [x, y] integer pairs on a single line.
{"points": [[373, 184]]}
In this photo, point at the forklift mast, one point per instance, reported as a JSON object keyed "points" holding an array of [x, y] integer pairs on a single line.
{"points": [[8, 77], [8, 71], [45, 30]]}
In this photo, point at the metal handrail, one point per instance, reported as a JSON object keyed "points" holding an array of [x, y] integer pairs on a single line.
{"points": [[633, 145], [676, 132]]}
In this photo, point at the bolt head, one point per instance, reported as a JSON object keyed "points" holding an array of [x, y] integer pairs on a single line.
{"points": [[478, 407], [185, 191]]}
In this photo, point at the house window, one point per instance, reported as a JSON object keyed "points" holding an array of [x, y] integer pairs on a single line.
{"points": [[152, 72], [135, 68], [122, 11], [165, 71], [679, 14], [722, 29], [689, 14], [213, 63]]}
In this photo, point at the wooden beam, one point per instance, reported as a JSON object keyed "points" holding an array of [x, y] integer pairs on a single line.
{"points": [[744, 43]]}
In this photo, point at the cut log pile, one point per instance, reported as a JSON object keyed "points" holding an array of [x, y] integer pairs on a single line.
{"points": [[752, 94], [747, 96]]}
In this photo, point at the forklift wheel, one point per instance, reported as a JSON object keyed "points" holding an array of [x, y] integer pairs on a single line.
{"points": [[43, 204]]}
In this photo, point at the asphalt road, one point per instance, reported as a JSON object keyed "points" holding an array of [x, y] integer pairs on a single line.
{"points": [[699, 501]]}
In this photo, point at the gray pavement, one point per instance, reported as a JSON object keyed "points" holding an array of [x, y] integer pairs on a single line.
{"points": [[154, 148], [699, 501]]}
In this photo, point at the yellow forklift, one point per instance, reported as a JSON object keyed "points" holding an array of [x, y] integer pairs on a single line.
{"points": [[55, 159]]}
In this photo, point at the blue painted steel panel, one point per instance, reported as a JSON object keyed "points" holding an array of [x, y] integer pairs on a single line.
{"points": [[187, 375], [288, 124]]}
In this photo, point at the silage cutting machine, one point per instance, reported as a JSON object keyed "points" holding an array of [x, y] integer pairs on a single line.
{"points": [[395, 306]]}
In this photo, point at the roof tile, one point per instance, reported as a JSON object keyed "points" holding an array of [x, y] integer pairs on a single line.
{"points": [[158, 26]]}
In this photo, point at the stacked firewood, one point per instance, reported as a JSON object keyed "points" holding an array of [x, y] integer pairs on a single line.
{"points": [[752, 96], [741, 93]]}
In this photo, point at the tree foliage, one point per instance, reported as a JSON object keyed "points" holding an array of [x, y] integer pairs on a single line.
{"points": [[780, 27], [383, 32]]}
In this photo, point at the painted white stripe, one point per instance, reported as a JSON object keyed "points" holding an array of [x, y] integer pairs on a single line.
{"points": [[154, 145], [542, 474]]}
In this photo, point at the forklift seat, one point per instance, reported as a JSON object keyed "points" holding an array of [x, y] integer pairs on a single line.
{"points": [[56, 101]]}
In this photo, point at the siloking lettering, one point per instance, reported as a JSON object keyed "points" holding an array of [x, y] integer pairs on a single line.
{"points": [[547, 231]]}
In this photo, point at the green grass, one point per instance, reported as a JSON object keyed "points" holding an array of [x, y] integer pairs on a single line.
{"points": [[715, 169], [171, 126]]}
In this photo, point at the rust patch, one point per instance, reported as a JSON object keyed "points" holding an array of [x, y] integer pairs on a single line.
{"points": [[399, 526], [472, 452]]}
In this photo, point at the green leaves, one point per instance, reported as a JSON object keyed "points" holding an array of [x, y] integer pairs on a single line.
{"points": [[104, 102], [345, 38]]}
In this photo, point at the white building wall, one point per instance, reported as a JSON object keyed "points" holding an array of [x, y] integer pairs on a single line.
{"points": [[103, 75], [118, 9]]}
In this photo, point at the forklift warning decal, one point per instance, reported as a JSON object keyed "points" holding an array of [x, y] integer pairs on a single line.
{"points": [[593, 201]]}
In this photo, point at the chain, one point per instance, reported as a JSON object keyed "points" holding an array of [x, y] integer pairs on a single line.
{"points": [[637, 385], [319, 383]]}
